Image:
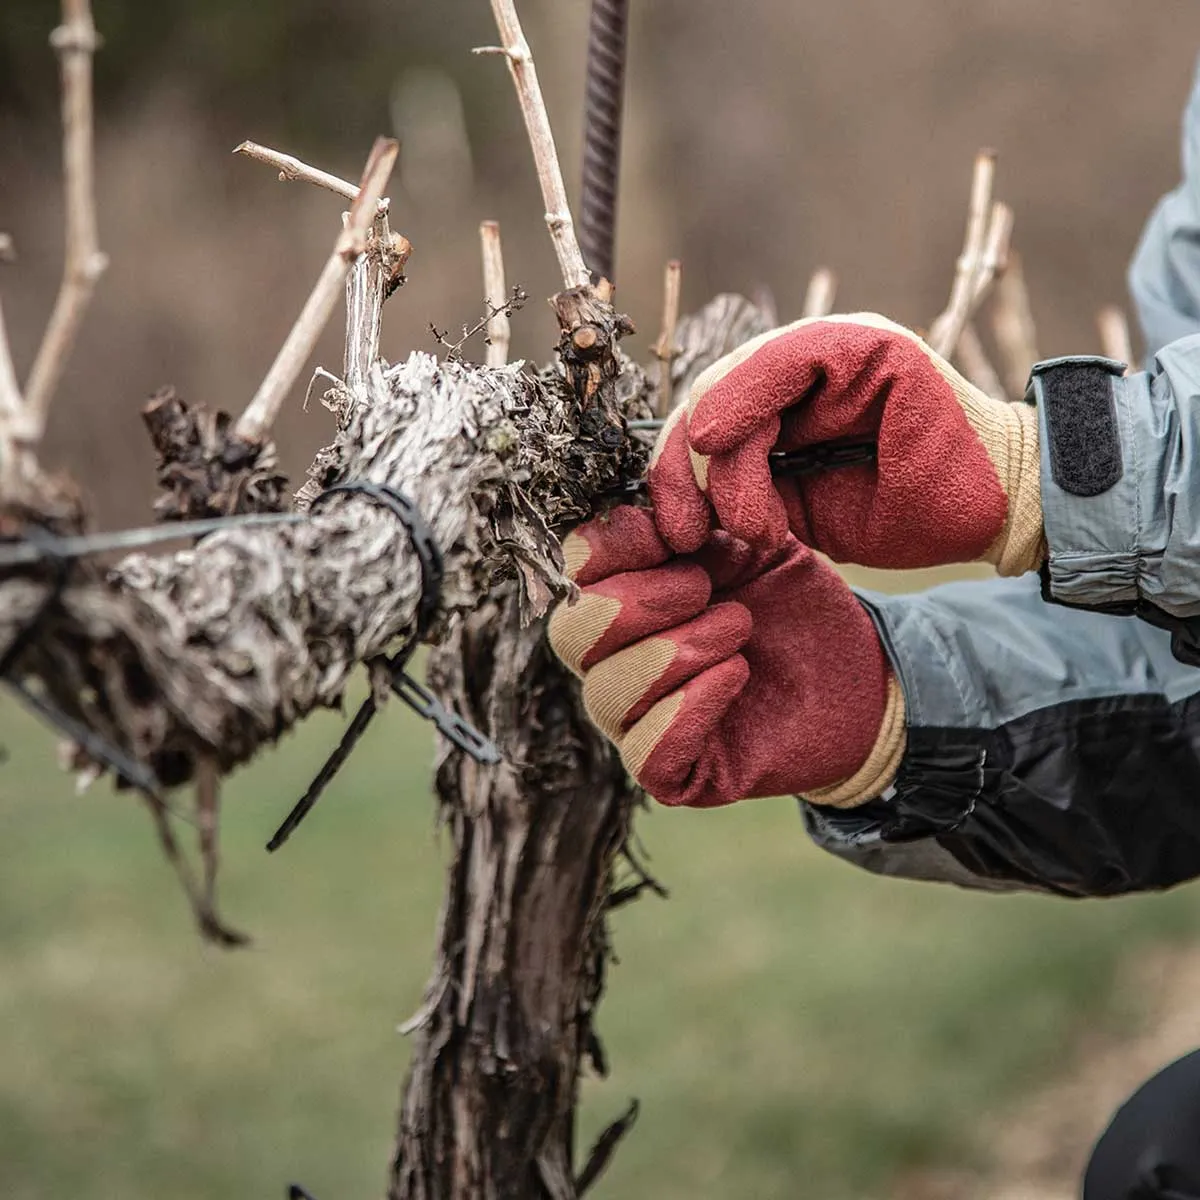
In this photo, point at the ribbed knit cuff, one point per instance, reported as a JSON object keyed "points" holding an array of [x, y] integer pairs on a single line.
{"points": [[1012, 444], [878, 772]]}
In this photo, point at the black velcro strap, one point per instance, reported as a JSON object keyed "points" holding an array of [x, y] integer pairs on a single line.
{"points": [[1081, 417]]}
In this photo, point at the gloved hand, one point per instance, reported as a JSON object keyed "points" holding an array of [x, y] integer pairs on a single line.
{"points": [[956, 477], [731, 673]]}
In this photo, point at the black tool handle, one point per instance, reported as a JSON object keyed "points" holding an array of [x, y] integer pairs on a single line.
{"points": [[826, 456]]}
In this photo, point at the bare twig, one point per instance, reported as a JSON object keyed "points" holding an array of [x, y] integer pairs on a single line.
{"points": [[602, 1152], [364, 316], [210, 925], [499, 329], [10, 391], [968, 349], [976, 365], [641, 872], [372, 279], [627, 894], [822, 288], [208, 804], [1115, 341], [995, 252], [293, 170], [253, 424], [944, 333], [75, 41], [533, 108], [515, 301], [764, 300], [11, 404], [1013, 327], [665, 349]]}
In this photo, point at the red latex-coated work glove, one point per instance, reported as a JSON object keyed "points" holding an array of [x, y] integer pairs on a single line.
{"points": [[956, 477], [731, 673]]}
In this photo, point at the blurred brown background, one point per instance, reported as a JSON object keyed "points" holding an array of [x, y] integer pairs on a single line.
{"points": [[765, 137]]}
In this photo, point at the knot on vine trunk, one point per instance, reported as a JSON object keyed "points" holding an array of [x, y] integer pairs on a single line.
{"points": [[203, 468], [590, 331]]}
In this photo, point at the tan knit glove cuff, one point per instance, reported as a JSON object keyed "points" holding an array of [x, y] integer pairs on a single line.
{"points": [[879, 771], [1009, 433]]}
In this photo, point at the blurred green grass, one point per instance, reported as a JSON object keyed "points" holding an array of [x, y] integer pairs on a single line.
{"points": [[788, 1022]]}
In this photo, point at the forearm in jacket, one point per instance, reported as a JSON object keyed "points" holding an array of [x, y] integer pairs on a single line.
{"points": [[1047, 749]]}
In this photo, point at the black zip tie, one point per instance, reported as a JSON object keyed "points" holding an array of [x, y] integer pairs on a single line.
{"points": [[807, 460], [324, 777], [454, 728], [421, 536], [458, 731], [787, 464], [40, 545], [296, 1192]]}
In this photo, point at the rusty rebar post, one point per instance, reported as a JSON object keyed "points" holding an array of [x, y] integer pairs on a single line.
{"points": [[602, 134]]}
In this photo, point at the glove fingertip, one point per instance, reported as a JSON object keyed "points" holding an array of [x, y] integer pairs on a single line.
{"points": [[685, 539], [682, 513], [763, 378], [575, 628], [765, 532], [663, 751], [748, 506], [710, 430], [736, 622], [624, 539]]}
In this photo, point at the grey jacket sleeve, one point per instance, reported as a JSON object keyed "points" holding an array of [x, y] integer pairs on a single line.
{"points": [[1121, 483], [1048, 749], [1164, 276]]}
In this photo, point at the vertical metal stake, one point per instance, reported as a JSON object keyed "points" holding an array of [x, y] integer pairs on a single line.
{"points": [[603, 100]]}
